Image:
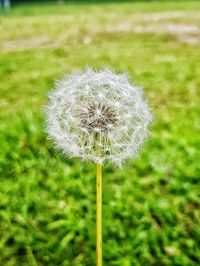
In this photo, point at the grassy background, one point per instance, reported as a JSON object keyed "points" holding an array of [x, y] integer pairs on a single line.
{"points": [[47, 204]]}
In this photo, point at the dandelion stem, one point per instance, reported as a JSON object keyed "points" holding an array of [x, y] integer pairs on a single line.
{"points": [[99, 214]]}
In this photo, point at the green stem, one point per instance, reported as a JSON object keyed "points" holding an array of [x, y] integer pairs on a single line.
{"points": [[99, 214]]}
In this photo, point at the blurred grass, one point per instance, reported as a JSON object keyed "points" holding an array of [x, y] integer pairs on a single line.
{"points": [[47, 204]]}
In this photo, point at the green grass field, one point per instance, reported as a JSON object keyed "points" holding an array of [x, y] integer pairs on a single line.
{"points": [[151, 206]]}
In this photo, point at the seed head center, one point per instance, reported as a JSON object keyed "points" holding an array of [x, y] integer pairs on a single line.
{"points": [[98, 117]]}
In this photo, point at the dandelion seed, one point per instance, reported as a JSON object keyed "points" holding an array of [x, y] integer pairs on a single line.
{"points": [[98, 107]]}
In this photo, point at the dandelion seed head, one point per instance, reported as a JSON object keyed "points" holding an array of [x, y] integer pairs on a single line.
{"points": [[98, 116]]}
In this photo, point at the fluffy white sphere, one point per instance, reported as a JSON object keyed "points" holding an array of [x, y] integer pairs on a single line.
{"points": [[98, 116]]}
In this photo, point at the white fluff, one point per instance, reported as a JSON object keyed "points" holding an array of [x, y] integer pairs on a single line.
{"points": [[98, 116]]}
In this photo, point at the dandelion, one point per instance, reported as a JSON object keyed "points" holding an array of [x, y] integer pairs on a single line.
{"points": [[100, 117]]}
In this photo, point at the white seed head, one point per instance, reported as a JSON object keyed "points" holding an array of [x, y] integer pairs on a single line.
{"points": [[98, 116]]}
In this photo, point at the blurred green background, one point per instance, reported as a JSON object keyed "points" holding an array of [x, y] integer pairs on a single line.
{"points": [[47, 204]]}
